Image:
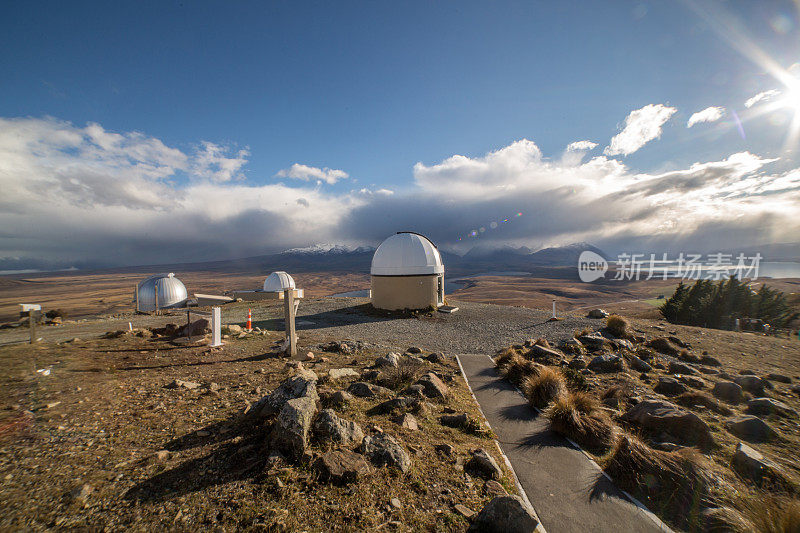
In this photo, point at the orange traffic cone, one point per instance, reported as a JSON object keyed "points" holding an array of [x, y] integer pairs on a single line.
{"points": [[249, 319]]}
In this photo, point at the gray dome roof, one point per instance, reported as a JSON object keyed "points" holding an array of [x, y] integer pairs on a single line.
{"points": [[406, 254], [171, 292]]}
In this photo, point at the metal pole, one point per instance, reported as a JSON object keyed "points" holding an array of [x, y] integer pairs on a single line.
{"points": [[32, 322], [137, 297], [155, 287], [288, 312], [554, 308]]}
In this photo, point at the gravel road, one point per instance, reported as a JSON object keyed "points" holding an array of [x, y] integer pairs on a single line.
{"points": [[475, 328]]}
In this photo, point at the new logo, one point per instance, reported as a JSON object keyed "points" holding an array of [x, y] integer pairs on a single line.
{"points": [[591, 266]]}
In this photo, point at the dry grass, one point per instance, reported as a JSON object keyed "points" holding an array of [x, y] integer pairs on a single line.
{"points": [[616, 395], [544, 387], [692, 398], [517, 368], [579, 417], [582, 332], [504, 357], [764, 513], [541, 341], [403, 375], [618, 326], [675, 484]]}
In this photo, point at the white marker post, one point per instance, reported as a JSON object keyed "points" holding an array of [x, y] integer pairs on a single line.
{"points": [[216, 327], [554, 309], [289, 313]]}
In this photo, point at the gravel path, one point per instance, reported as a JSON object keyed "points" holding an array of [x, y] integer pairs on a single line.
{"points": [[475, 328]]}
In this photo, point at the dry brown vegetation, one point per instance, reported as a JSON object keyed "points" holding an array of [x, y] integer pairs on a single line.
{"points": [[579, 417], [618, 326], [543, 387]]}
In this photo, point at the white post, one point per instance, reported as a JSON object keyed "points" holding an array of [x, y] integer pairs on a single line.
{"points": [[737, 325], [554, 309], [216, 326], [288, 313]]}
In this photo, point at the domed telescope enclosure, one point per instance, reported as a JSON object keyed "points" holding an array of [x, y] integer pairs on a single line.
{"points": [[171, 292], [278, 282], [407, 273]]}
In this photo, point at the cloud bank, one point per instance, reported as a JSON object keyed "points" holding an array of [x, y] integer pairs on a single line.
{"points": [[709, 114], [82, 195], [761, 97], [641, 126], [306, 173]]}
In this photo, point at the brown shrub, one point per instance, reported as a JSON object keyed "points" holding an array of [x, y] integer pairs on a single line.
{"points": [[544, 387], [692, 398], [403, 375], [767, 513], [616, 395], [582, 332], [504, 357], [618, 326], [518, 369], [676, 483], [579, 417]]}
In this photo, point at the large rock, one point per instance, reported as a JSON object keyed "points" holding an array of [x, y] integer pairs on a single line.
{"points": [[341, 466], [728, 391], [709, 361], [597, 313], [751, 428], [753, 384], [383, 449], [680, 368], [401, 403], [432, 386], [484, 465], [198, 327], [693, 381], [669, 386], [607, 363], [749, 463], [455, 421], [593, 341], [330, 427], [768, 406], [578, 363], [367, 390], [292, 426], [505, 514], [543, 354], [639, 365], [663, 345], [659, 415], [390, 360], [340, 373], [300, 386], [780, 378]]}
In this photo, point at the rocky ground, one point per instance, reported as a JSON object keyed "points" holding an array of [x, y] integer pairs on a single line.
{"points": [[732, 397], [143, 433]]}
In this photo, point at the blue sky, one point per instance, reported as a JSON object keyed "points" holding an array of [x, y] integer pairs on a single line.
{"points": [[372, 89]]}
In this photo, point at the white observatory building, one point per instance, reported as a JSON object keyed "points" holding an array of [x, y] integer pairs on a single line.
{"points": [[171, 292], [407, 273]]}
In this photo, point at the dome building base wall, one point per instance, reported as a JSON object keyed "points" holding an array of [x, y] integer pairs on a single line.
{"points": [[394, 293]]}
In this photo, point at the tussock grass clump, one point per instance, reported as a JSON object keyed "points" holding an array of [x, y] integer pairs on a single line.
{"points": [[692, 398], [544, 387], [519, 370], [403, 375], [764, 513], [616, 395], [675, 483], [582, 332], [541, 341], [579, 417], [575, 380], [618, 326], [504, 357]]}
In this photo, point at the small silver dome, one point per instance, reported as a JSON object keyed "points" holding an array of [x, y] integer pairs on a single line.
{"points": [[171, 292], [278, 282]]}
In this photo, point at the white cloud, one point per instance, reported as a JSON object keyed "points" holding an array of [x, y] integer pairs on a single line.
{"points": [[641, 126], [581, 145], [306, 173], [709, 114], [762, 96], [211, 163]]}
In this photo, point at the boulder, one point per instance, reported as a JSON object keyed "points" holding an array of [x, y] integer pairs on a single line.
{"points": [[593, 341], [750, 464], [780, 378], [597, 313], [639, 365], [728, 391], [663, 345], [433, 387], [371, 375], [198, 327], [709, 361], [414, 349], [484, 465], [292, 426], [383, 449], [768, 406], [751, 428], [505, 514], [669, 386], [330, 427], [578, 363], [545, 355], [367, 390], [753, 384], [401, 403], [693, 381], [391, 360], [341, 466], [438, 358], [659, 415], [494, 488], [607, 363], [454, 421], [303, 385], [340, 397], [340, 373], [407, 421], [180, 384], [680, 368]]}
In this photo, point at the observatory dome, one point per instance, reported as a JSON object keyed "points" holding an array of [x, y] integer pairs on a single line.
{"points": [[278, 282], [406, 254], [171, 292]]}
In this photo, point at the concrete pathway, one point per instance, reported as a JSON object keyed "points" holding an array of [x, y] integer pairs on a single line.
{"points": [[567, 489]]}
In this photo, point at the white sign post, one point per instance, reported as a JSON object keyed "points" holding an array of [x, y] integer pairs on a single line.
{"points": [[216, 326]]}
